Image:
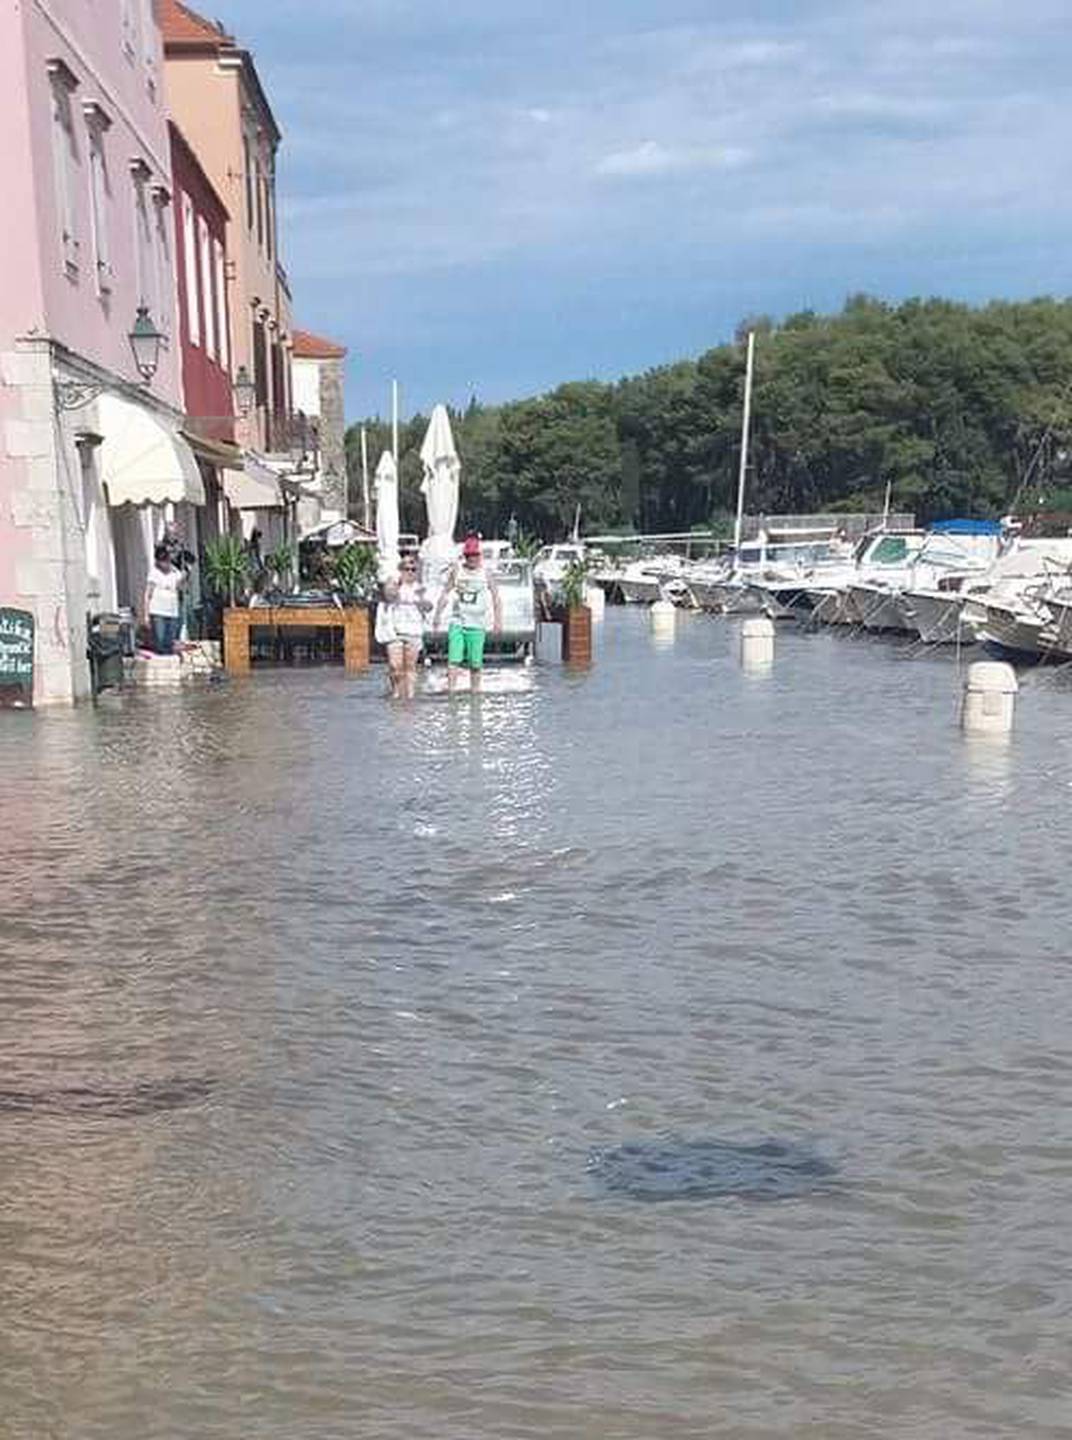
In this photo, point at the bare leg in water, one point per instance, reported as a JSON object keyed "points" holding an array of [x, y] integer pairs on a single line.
{"points": [[395, 662], [409, 670]]}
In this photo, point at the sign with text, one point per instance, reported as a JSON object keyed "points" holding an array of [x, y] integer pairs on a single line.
{"points": [[16, 657]]}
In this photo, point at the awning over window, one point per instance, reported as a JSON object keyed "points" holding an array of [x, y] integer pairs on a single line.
{"points": [[142, 460], [256, 487]]}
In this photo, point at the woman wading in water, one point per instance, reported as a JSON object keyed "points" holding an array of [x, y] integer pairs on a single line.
{"points": [[405, 606]]}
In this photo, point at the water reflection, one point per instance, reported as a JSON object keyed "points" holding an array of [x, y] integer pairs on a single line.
{"points": [[314, 1007]]}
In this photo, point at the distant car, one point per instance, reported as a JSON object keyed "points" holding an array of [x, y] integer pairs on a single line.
{"points": [[496, 553]]}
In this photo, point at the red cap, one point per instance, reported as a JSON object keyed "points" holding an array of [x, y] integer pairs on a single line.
{"points": [[471, 546]]}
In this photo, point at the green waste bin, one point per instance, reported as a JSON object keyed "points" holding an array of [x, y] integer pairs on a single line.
{"points": [[105, 650]]}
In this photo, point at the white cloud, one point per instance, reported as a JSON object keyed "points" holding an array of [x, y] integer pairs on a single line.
{"points": [[651, 158]]}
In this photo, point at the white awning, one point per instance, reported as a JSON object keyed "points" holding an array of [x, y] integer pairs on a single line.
{"points": [[256, 487], [142, 460]]}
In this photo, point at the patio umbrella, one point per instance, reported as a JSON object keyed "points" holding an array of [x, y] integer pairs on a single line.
{"points": [[440, 484], [387, 513]]}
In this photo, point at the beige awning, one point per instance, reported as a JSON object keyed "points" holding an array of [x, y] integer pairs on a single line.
{"points": [[256, 487], [143, 461]]}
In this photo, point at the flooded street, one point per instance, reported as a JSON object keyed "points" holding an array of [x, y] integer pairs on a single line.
{"points": [[342, 1040]]}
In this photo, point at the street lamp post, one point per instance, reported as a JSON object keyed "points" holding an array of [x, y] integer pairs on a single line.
{"points": [[145, 341], [244, 392]]}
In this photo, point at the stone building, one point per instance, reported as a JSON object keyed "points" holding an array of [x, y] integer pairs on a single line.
{"points": [[318, 367]]}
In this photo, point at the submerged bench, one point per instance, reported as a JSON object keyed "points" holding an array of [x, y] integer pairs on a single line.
{"points": [[353, 621]]}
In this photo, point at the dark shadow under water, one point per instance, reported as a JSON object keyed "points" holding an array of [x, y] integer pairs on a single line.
{"points": [[674, 1169], [144, 1097]]}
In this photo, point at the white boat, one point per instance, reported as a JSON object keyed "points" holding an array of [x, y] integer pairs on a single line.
{"points": [[655, 577], [1013, 606], [950, 555], [937, 616], [772, 573], [552, 562]]}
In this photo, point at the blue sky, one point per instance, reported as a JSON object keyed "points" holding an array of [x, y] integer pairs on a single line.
{"points": [[494, 196]]}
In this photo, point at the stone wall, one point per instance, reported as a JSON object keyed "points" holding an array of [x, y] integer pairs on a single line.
{"points": [[41, 538], [333, 434]]}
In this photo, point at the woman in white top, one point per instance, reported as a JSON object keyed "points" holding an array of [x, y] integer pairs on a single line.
{"points": [[162, 611], [406, 606]]}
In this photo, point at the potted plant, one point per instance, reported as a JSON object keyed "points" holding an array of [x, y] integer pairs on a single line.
{"points": [[577, 619], [280, 566], [226, 568], [355, 573], [355, 577]]}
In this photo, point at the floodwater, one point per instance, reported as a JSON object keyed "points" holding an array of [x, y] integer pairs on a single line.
{"points": [[341, 1042]]}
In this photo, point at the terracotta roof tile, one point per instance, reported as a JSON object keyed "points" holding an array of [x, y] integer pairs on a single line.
{"points": [[308, 346], [183, 26]]}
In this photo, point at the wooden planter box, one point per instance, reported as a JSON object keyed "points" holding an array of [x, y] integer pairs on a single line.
{"points": [[577, 636], [354, 621]]}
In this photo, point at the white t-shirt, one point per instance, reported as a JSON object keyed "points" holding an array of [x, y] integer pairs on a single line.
{"points": [[163, 587], [406, 613]]}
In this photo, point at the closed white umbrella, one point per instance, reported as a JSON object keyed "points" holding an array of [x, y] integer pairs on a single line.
{"points": [[440, 484], [387, 513]]}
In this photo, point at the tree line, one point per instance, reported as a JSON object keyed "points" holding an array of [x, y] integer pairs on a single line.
{"points": [[960, 410]]}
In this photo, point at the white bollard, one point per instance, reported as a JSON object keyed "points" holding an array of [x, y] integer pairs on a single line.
{"points": [[663, 618], [757, 642], [989, 698], [596, 601]]}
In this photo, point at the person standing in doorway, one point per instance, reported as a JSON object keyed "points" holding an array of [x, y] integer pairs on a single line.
{"points": [[162, 610], [474, 599]]}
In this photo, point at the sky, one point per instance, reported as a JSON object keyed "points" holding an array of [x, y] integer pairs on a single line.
{"points": [[491, 197]]}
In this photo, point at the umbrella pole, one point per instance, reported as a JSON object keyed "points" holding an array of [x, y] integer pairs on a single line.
{"points": [[394, 423], [366, 507]]}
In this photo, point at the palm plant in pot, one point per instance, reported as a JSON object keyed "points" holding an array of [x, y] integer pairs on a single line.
{"points": [[226, 566], [577, 621], [355, 573], [280, 566]]}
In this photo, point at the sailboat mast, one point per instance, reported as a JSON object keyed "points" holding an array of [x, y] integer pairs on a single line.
{"points": [[745, 422]]}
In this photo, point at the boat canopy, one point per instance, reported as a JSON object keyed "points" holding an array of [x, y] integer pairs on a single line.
{"points": [[966, 527]]}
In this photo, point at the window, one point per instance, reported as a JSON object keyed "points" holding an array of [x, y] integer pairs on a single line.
{"points": [[249, 183], [259, 196], [892, 550], [204, 250], [268, 208], [128, 24], [99, 189], [219, 274], [189, 270], [145, 244], [143, 240], [65, 164], [148, 44], [260, 364], [162, 258]]}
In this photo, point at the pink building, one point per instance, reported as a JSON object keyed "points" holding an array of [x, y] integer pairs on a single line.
{"points": [[92, 455]]}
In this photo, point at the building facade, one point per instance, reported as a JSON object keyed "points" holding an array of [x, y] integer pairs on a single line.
{"points": [[216, 99], [91, 449]]}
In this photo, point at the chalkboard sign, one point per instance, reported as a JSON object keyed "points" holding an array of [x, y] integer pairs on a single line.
{"points": [[16, 657]]}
